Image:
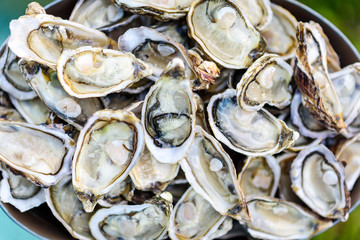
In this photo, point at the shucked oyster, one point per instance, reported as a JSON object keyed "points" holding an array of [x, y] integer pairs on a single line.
{"points": [[318, 179], [258, 12], [42, 154], [67, 208], [277, 219], [312, 77], [267, 81], [211, 173], [96, 72], [100, 14], [147, 221], [250, 133], [168, 115], [162, 10], [194, 218], [280, 34], [221, 30], [107, 149], [42, 38]]}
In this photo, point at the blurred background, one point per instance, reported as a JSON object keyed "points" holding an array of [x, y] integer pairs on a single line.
{"points": [[342, 13]]}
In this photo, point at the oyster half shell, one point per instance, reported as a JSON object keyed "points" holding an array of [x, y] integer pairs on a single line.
{"points": [[107, 149]]}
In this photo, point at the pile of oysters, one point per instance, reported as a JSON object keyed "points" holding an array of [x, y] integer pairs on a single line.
{"points": [[203, 119]]}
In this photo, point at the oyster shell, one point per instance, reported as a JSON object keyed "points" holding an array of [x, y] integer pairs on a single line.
{"points": [[278, 219], [33, 111], [100, 14], [66, 207], [96, 72], [107, 149], [312, 77], [45, 82], [19, 192], [258, 12], [348, 151], [318, 179], [42, 154], [259, 177], [162, 10], [250, 133], [146, 221], [11, 79], [280, 34], [211, 173], [42, 38], [149, 174], [168, 115], [221, 29], [267, 81], [194, 218]]}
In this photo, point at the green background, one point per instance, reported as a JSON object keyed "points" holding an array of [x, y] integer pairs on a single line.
{"points": [[345, 14]]}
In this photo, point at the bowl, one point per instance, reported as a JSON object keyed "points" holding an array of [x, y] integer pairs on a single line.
{"points": [[40, 221]]}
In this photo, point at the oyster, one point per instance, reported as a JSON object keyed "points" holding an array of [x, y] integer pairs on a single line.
{"points": [[312, 77], [250, 133], [162, 10], [221, 30], [100, 14], [96, 72], [66, 207], [348, 151], [211, 173], [33, 111], [280, 34], [11, 79], [42, 154], [347, 86], [146, 221], [319, 180], [168, 115], [258, 12], [19, 192], [45, 82], [194, 218], [277, 219], [107, 149], [267, 81], [42, 38], [149, 174], [260, 177], [119, 194]]}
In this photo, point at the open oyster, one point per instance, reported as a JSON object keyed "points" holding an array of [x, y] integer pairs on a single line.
{"points": [[19, 192], [250, 133], [149, 174], [162, 10], [277, 219], [318, 178], [259, 177], [42, 38], [96, 72], [267, 81], [46, 84], [221, 30], [258, 12], [11, 79], [107, 149], [100, 14], [66, 207], [147, 221], [211, 173], [280, 34], [168, 115], [312, 77], [194, 218]]}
